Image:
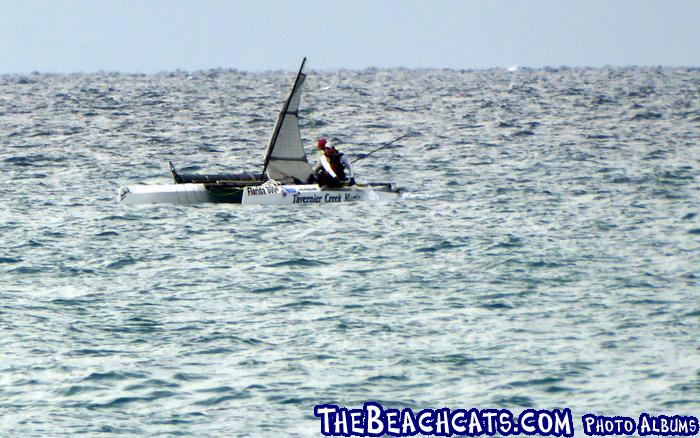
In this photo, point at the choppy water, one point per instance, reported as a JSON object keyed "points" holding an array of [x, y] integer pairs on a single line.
{"points": [[546, 254]]}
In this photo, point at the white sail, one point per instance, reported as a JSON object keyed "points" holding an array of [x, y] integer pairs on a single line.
{"points": [[285, 159]]}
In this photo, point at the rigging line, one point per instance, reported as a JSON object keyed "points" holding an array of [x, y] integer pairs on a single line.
{"points": [[380, 148]]}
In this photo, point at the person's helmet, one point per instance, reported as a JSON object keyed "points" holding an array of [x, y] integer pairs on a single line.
{"points": [[322, 143]]}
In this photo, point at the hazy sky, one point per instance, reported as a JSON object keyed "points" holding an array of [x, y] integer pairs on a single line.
{"points": [[156, 35]]}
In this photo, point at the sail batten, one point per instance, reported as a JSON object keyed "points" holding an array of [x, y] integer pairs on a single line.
{"points": [[285, 158]]}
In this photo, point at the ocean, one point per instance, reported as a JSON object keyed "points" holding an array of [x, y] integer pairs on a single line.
{"points": [[545, 252]]}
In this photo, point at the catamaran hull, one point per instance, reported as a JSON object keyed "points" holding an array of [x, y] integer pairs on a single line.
{"points": [[254, 195]]}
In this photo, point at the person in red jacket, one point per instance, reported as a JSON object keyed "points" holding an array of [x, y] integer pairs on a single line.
{"points": [[333, 168]]}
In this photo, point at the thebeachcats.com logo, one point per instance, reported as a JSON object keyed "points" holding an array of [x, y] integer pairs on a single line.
{"points": [[373, 420]]}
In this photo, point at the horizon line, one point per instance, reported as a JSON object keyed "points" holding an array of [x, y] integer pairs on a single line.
{"points": [[336, 69]]}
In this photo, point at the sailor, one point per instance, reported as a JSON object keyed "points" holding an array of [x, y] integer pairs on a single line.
{"points": [[333, 168]]}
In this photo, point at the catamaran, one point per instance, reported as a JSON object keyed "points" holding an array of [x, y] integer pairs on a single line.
{"points": [[283, 180]]}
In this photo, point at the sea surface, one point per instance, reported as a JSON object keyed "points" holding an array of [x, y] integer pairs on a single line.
{"points": [[545, 253]]}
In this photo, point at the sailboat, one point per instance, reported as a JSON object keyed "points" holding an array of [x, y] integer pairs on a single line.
{"points": [[284, 179]]}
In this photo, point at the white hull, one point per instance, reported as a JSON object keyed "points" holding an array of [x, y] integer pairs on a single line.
{"points": [[254, 195]]}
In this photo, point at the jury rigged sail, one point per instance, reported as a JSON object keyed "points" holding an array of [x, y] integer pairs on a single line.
{"points": [[285, 158]]}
